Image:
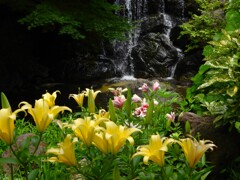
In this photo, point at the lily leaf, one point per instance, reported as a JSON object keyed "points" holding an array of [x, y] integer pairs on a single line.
{"points": [[4, 101], [128, 103], [116, 173], [111, 110], [8, 160], [187, 127], [148, 118], [91, 102], [33, 174]]}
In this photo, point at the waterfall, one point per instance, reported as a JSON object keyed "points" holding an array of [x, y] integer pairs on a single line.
{"points": [[166, 15], [133, 11]]}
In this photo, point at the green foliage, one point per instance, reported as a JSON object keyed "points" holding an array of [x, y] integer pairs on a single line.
{"points": [[201, 27], [76, 18], [91, 162], [216, 86]]}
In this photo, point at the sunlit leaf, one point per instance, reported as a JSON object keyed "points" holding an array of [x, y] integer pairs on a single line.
{"points": [[232, 91]]}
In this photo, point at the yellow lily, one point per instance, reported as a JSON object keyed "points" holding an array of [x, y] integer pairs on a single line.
{"points": [[42, 114], [7, 118], [113, 138], [85, 129], [78, 98], [94, 93], [102, 113], [65, 153], [50, 98], [194, 150], [155, 151]]}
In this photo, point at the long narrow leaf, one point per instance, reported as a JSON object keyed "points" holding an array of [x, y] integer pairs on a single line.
{"points": [[8, 160], [116, 173], [128, 103], [148, 118], [91, 102], [4, 101], [111, 110]]}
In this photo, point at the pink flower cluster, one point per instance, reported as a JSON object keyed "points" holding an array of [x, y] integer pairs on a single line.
{"points": [[119, 98], [118, 101], [145, 87], [142, 110]]}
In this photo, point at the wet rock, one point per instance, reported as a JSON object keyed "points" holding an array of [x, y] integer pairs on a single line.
{"points": [[153, 54], [87, 68]]}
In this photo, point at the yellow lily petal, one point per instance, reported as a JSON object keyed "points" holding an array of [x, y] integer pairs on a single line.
{"points": [[94, 93], [194, 150], [114, 137], [42, 113], [85, 129], [7, 118], [78, 98], [100, 142], [50, 98], [155, 151], [65, 153]]}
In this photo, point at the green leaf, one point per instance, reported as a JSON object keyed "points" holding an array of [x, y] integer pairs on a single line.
{"points": [[91, 102], [149, 115], [187, 127], [207, 50], [204, 176], [4, 101], [232, 18], [215, 79], [8, 160], [111, 110], [116, 173], [33, 174], [128, 103], [25, 143], [237, 126], [135, 161]]}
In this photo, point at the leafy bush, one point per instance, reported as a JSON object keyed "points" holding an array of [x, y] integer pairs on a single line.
{"points": [[216, 86], [202, 26], [78, 18]]}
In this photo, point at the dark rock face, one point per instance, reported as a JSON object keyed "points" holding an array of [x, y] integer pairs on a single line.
{"points": [[153, 54], [150, 51], [88, 68], [189, 65]]}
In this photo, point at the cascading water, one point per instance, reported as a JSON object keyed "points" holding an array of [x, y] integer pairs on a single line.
{"points": [[149, 45], [122, 50]]}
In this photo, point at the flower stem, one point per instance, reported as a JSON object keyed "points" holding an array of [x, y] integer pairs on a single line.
{"points": [[20, 161], [36, 148], [11, 168]]}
